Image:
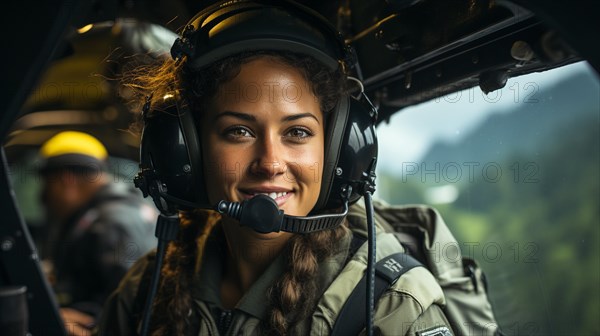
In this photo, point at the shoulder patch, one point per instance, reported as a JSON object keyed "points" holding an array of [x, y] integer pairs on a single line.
{"points": [[435, 331]]}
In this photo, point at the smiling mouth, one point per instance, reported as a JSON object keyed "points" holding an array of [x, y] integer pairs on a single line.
{"points": [[279, 197], [273, 195]]}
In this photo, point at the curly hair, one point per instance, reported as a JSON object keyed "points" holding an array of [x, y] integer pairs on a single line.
{"points": [[288, 303]]}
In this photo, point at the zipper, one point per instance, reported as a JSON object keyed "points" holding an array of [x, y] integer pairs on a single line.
{"points": [[224, 321]]}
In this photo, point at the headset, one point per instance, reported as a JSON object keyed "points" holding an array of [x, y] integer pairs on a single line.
{"points": [[171, 162], [172, 169]]}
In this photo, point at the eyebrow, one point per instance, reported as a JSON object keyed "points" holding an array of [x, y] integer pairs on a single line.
{"points": [[300, 116], [249, 117], [239, 115]]}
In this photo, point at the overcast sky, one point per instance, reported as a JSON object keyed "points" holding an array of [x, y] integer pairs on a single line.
{"points": [[414, 130]]}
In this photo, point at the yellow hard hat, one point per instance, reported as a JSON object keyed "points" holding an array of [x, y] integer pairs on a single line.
{"points": [[71, 148]]}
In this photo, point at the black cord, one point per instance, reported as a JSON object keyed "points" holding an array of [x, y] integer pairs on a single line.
{"points": [[166, 230], [370, 264]]}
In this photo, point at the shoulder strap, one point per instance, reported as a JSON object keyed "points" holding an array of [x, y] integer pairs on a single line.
{"points": [[387, 272]]}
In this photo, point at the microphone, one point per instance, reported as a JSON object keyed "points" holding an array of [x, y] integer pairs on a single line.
{"points": [[262, 214]]}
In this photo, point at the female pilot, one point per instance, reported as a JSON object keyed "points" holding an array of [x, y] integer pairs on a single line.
{"points": [[263, 82]]}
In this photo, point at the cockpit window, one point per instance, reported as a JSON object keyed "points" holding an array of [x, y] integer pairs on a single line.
{"points": [[515, 173]]}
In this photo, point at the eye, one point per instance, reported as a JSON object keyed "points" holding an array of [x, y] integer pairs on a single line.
{"points": [[299, 134], [238, 133]]}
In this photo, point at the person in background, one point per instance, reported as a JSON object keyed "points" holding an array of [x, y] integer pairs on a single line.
{"points": [[97, 227]]}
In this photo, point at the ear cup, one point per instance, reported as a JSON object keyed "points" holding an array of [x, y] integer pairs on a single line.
{"points": [[336, 125], [170, 154], [350, 148]]}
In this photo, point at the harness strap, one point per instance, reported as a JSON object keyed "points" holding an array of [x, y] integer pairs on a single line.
{"points": [[387, 272]]}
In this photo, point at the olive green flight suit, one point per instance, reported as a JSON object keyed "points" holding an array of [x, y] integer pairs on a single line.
{"points": [[409, 307]]}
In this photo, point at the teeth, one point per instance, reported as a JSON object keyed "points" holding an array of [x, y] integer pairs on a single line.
{"points": [[274, 195]]}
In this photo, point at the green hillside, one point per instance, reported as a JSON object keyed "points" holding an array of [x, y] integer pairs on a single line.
{"points": [[549, 233], [535, 227]]}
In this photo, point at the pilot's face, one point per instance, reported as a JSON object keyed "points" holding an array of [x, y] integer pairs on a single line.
{"points": [[264, 134]]}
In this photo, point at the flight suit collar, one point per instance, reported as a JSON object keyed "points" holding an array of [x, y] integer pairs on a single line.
{"points": [[211, 272], [254, 302]]}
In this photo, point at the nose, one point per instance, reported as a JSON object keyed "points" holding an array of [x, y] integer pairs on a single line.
{"points": [[268, 161]]}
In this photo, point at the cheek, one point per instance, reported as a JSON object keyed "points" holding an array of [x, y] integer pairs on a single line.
{"points": [[306, 166], [222, 168], [317, 165]]}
